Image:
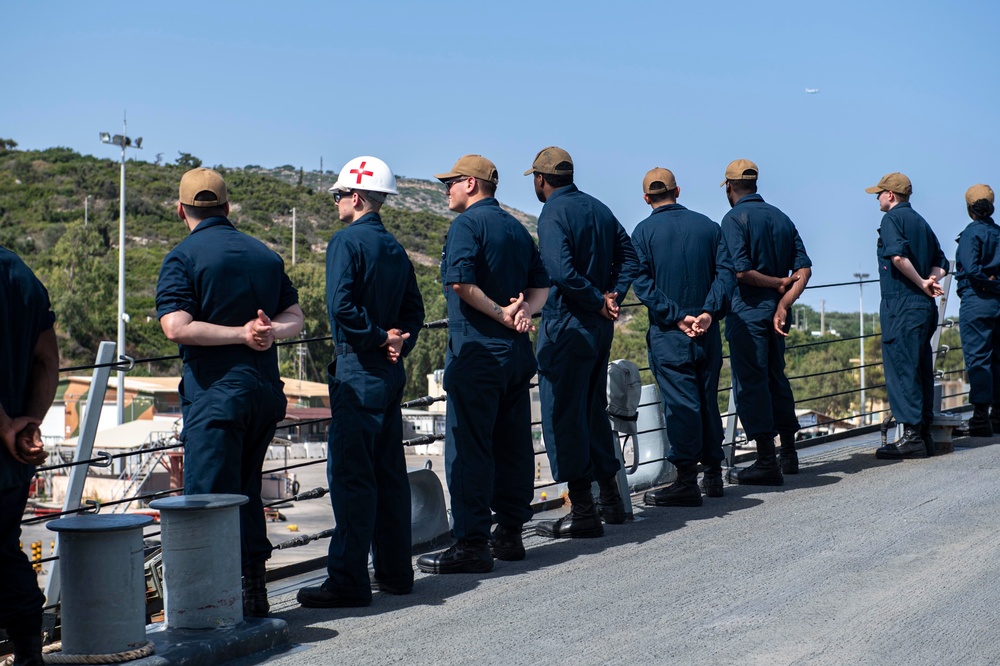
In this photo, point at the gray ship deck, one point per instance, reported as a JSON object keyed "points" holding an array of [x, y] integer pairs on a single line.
{"points": [[854, 561]]}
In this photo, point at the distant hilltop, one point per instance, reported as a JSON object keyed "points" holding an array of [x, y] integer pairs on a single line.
{"points": [[415, 195]]}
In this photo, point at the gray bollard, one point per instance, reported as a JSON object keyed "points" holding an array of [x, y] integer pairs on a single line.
{"points": [[651, 445], [202, 575], [104, 586]]}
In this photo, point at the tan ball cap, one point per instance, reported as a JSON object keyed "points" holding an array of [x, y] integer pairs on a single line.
{"points": [[553, 161], [977, 192], [658, 181], [741, 170], [207, 183], [892, 182], [476, 166]]}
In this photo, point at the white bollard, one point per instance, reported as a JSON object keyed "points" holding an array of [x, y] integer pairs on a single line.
{"points": [[104, 586], [202, 574]]}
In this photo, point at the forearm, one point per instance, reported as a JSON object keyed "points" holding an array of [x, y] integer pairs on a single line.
{"points": [[937, 273], [535, 297], [287, 324], [905, 266], [204, 334], [758, 279], [475, 297], [797, 287], [44, 376]]}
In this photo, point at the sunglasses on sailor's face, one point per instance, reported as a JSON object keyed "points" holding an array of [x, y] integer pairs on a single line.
{"points": [[449, 183], [337, 196]]}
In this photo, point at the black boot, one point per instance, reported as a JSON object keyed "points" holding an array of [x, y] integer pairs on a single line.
{"points": [[711, 482], [929, 445], [979, 424], [27, 650], [995, 417], [328, 596], [506, 543], [467, 556], [682, 492], [582, 521], [764, 472], [788, 459], [910, 445], [255, 602], [610, 505]]}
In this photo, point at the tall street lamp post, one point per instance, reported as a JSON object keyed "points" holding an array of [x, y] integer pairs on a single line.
{"points": [[861, 318], [124, 142]]}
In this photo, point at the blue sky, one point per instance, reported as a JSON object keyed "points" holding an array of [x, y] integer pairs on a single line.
{"points": [[624, 87]]}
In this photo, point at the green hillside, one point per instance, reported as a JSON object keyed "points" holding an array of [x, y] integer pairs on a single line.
{"points": [[42, 196]]}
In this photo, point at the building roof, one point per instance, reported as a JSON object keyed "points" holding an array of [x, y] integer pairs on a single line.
{"points": [[294, 388]]}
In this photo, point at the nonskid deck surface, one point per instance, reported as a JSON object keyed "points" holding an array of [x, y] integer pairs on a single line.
{"points": [[853, 561]]}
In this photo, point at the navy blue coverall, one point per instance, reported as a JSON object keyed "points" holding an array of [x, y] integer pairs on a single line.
{"points": [[25, 314], [489, 457], [908, 315], [232, 396], [586, 253], [370, 288], [684, 269], [977, 267], [760, 237]]}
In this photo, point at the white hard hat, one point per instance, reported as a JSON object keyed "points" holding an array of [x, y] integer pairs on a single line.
{"points": [[366, 173]]}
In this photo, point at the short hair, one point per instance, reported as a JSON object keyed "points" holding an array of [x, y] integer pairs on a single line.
{"points": [[558, 180], [200, 213], [902, 197], [487, 187], [743, 186], [665, 195], [981, 209]]}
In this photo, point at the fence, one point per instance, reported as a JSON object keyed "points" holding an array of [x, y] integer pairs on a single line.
{"points": [[152, 453]]}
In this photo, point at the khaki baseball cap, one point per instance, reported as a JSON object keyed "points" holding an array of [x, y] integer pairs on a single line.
{"points": [[203, 188], [892, 182], [553, 161], [977, 192], [741, 170], [476, 166], [658, 181]]}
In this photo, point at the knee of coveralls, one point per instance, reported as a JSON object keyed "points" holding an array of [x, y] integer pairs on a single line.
{"points": [[474, 380], [229, 416], [905, 350], [782, 398], [21, 600], [567, 353], [602, 439], [269, 409], [709, 370], [749, 346], [513, 452], [392, 540], [672, 358], [978, 325], [357, 404]]}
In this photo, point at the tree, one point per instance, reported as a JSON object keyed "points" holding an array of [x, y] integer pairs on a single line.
{"points": [[187, 160], [7, 144]]}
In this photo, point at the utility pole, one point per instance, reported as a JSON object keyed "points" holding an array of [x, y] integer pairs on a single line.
{"points": [[861, 319], [86, 209], [124, 142], [293, 237]]}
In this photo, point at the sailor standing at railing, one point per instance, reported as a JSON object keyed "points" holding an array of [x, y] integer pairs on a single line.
{"points": [[977, 265], [910, 265], [494, 282], [29, 372], [375, 313], [772, 268], [685, 279], [224, 298], [591, 263]]}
